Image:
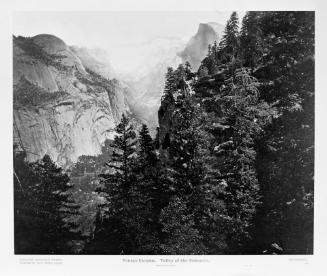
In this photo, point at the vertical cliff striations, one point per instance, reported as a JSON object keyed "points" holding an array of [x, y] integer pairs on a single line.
{"points": [[62, 107]]}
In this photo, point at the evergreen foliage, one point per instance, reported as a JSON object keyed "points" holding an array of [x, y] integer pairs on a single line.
{"points": [[179, 227], [126, 223], [42, 203], [230, 170], [229, 44], [251, 40], [286, 152], [170, 82]]}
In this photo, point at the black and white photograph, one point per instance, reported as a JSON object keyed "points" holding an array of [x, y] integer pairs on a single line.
{"points": [[163, 132], [155, 138]]}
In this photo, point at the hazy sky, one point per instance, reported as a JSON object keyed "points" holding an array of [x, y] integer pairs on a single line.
{"points": [[116, 32]]}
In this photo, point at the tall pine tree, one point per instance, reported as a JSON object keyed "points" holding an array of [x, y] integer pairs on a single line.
{"points": [[229, 44], [42, 203], [286, 153], [251, 40]]}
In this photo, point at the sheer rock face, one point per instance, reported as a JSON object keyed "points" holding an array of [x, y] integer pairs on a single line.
{"points": [[71, 125], [197, 47]]}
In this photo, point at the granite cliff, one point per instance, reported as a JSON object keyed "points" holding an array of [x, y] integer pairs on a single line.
{"points": [[62, 107]]}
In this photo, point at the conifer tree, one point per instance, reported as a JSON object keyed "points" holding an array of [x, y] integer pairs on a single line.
{"points": [[126, 224], [286, 153], [184, 169], [145, 141], [188, 71], [42, 203], [235, 118], [229, 43], [209, 63], [181, 235], [233, 173], [147, 165], [116, 187], [251, 40], [123, 155], [170, 84]]}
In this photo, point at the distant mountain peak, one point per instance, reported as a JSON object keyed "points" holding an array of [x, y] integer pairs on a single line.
{"points": [[197, 47], [219, 28], [50, 43]]}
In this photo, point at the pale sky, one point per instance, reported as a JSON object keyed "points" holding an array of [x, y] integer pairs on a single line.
{"points": [[116, 32]]}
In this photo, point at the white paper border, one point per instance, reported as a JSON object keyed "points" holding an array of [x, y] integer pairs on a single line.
{"points": [[114, 265]]}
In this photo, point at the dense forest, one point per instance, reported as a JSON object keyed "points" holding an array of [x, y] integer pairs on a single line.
{"points": [[230, 170]]}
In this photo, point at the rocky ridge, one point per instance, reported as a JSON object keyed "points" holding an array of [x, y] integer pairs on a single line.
{"points": [[61, 107]]}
